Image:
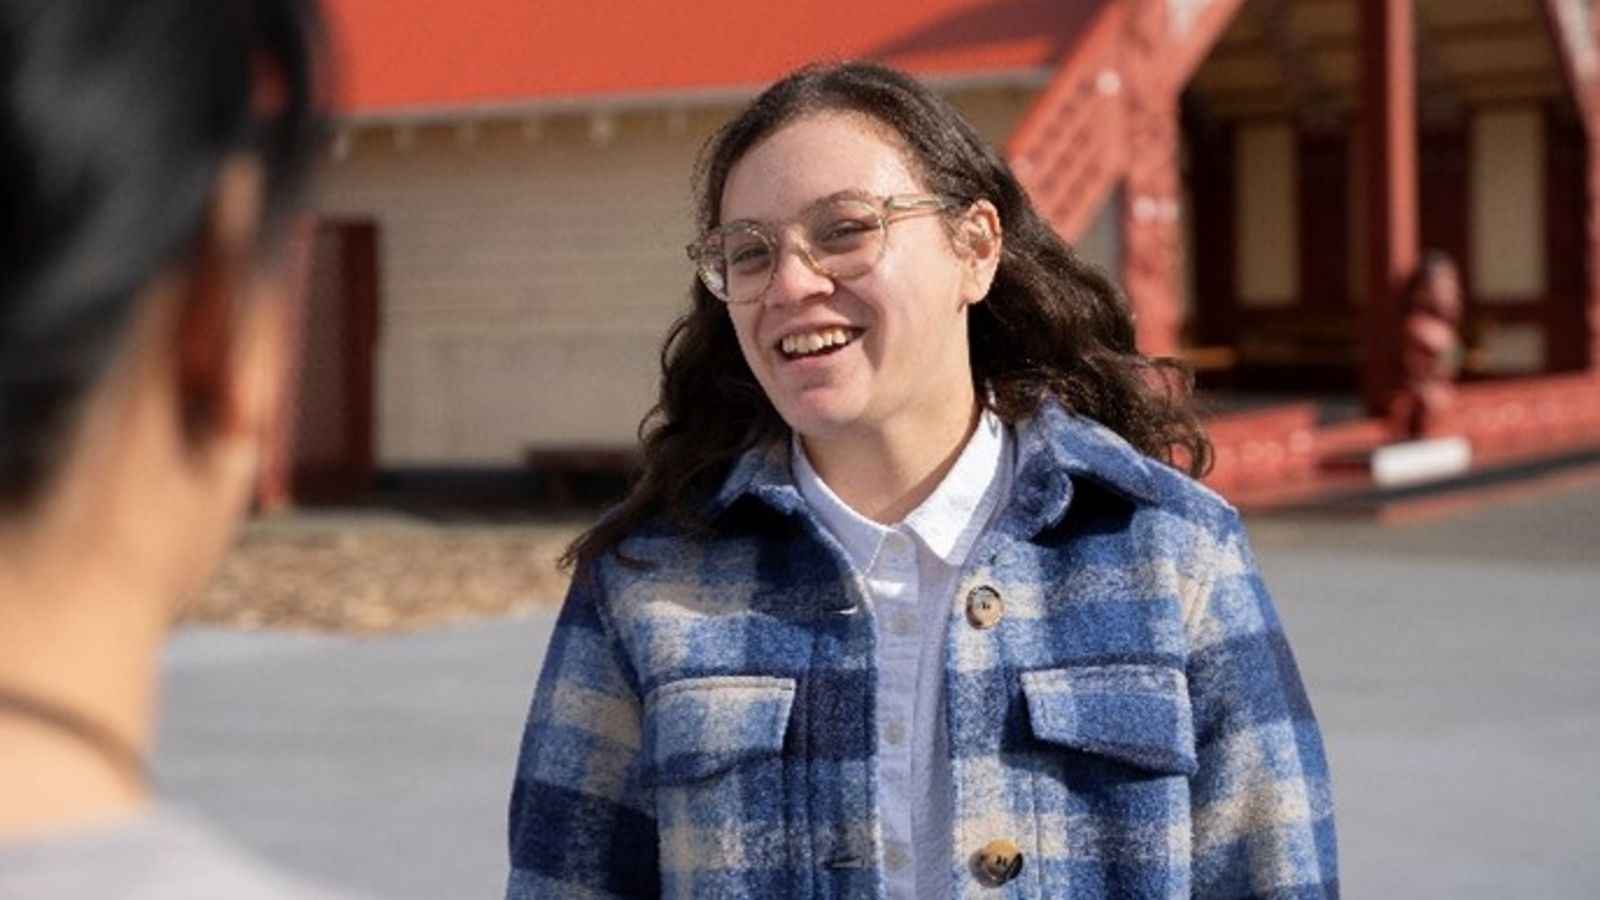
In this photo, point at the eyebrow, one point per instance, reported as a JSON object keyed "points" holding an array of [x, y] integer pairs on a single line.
{"points": [[845, 194]]}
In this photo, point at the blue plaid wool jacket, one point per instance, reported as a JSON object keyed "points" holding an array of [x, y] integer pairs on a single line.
{"points": [[1133, 724]]}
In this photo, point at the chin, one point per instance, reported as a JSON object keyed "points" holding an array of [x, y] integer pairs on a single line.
{"points": [[819, 422]]}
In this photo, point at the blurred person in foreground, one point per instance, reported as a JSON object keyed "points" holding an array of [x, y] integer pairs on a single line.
{"points": [[908, 601], [150, 154]]}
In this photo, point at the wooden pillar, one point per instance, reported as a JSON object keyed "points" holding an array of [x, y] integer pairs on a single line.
{"points": [[1389, 108], [1591, 358], [1566, 300], [1576, 30], [1151, 240]]}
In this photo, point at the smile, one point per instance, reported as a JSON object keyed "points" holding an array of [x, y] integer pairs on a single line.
{"points": [[817, 343]]}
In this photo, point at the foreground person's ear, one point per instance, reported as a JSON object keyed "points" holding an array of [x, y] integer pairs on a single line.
{"points": [[230, 322]]}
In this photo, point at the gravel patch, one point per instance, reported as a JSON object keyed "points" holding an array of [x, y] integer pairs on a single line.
{"points": [[371, 574]]}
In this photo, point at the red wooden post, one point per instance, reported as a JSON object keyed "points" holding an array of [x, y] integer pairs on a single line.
{"points": [[1151, 242], [1592, 362], [1576, 31], [1389, 108], [1566, 300]]}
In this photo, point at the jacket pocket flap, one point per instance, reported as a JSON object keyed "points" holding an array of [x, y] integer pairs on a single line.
{"points": [[698, 727], [1137, 714]]}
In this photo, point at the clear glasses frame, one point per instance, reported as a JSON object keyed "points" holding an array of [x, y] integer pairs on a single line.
{"points": [[841, 236]]}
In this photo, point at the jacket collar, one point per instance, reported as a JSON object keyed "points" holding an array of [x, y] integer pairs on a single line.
{"points": [[1054, 447], [761, 472]]}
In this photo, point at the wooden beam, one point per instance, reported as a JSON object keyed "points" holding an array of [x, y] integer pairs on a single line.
{"points": [[1441, 95], [1520, 29], [1389, 110], [1303, 78]]}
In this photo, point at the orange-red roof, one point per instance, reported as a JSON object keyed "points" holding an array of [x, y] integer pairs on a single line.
{"points": [[407, 55]]}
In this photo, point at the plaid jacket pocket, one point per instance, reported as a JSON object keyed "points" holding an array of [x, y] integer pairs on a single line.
{"points": [[1135, 714], [714, 747], [699, 727]]}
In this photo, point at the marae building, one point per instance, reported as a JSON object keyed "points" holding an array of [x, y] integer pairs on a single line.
{"points": [[501, 224]]}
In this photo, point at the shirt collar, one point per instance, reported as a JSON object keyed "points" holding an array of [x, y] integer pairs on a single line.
{"points": [[947, 522], [860, 536], [1053, 446]]}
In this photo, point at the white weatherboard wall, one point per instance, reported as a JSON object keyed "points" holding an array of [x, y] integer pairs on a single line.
{"points": [[1508, 231], [527, 279], [524, 285], [1508, 205]]}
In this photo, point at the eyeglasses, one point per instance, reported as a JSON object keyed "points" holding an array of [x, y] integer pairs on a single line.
{"points": [[841, 236]]}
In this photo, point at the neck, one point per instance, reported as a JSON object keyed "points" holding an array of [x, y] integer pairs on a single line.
{"points": [[886, 474], [78, 670]]}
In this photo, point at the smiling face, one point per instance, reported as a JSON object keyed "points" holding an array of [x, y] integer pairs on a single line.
{"points": [[880, 354]]}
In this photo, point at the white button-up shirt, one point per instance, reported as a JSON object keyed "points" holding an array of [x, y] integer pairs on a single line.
{"points": [[910, 570]]}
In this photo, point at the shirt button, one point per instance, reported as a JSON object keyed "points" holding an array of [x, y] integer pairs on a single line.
{"points": [[998, 862], [894, 732], [984, 607], [895, 858], [897, 550], [903, 624]]}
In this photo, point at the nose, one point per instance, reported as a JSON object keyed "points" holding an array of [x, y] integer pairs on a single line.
{"points": [[795, 280]]}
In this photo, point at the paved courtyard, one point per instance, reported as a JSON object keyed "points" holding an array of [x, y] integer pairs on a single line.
{"points": [[1455, 665]]}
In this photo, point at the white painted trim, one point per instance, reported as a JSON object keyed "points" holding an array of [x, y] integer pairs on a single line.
{"points": [[1414, 462]]}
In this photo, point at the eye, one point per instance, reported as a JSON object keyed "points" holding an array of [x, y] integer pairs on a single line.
{"points": [[747, 255], [842, 233]]}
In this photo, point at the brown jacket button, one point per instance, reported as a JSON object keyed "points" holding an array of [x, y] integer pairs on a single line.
{"points": [[984, 607], [998, 862]]}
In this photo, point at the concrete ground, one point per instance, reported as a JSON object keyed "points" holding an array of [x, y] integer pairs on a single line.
{"points": [[1455, 665]]}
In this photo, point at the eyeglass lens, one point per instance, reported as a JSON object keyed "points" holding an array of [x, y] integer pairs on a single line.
{"points": [[841, 239]]}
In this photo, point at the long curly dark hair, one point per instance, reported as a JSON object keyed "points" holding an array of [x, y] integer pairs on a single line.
{"points": [[1051, 326]]}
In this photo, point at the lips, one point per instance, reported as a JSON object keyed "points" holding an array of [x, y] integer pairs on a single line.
{"points": [[817, 342]]}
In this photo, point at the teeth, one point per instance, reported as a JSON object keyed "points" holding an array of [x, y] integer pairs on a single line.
{"points": [[814, 341]]}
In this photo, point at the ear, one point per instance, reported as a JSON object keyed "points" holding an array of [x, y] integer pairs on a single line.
{"points": [[230, 327], [978, 242]]}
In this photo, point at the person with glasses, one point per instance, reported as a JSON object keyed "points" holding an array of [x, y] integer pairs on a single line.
{"points": [[151, 156], [909, 601]]}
